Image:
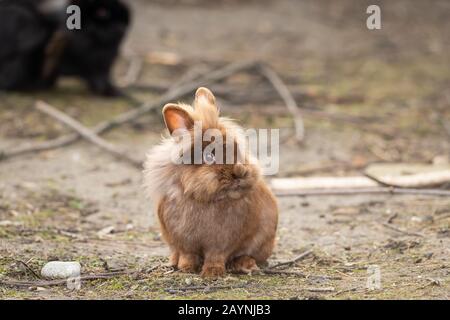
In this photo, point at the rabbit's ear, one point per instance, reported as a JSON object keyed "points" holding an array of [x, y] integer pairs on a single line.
{"points": [[177, 118], [204, 97]]}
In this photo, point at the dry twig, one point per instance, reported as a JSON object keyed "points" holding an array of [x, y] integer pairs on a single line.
{"points": [[284, 272], [327, 289], [287, 97], [133, 73], [86, 133], [345, 291], [355, 191], [28, 268], [413, 234], [49, 283], [292, 261], [87, 277], [202, 288], [392, 217]]}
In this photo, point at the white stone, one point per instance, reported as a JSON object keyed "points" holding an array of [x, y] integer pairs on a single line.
{"points": [[61, 269]]}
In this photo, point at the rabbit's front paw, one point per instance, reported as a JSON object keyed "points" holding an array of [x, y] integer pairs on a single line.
{"points": [[243, 264], [213, 271], [189, 263], [173, 260]]}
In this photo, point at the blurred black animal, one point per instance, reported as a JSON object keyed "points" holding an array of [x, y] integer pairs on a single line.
{"points": [[44, 49], [90, 52], [23, 37]]}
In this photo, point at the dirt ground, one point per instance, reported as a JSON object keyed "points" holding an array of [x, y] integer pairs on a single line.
{"points": [[367, 96]]}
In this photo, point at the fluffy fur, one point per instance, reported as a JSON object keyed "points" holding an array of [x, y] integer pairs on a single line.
{"points": [[214, 216]]}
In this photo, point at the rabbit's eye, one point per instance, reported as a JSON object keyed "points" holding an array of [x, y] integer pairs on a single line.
{"points": [[209, 157]]}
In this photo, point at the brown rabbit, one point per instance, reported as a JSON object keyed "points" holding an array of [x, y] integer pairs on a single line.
{"points": [[213, 216]]}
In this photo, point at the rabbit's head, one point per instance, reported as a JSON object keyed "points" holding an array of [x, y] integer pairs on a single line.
{"points": [[208, 157]]}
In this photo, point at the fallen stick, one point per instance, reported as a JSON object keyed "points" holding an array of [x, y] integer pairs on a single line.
{"points": [[414, 234], [327, 289], [87, 277], [86, 133], [131, 115], [28, 268], [346, 290], [135, 67], [287, 97], [355, 191], [201, 288], [322, 183], [297, 274], [406, 175], [49, 283], [308, 169], [392, 217], [284, 272], [292, 261], [303, 186]]}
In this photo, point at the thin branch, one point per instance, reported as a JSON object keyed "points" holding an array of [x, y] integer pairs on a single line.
{"points": [[87, 277], [284, 272], [202, 288], [269, 271], [307, 168], [392, 217], [327, 289], [49, 283], [135, 67], [131, 115], [355, 191], [417, 177], [413, 234], [86, 133], [345, 291], [28, 268], [287, 97], [292, 261]]}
